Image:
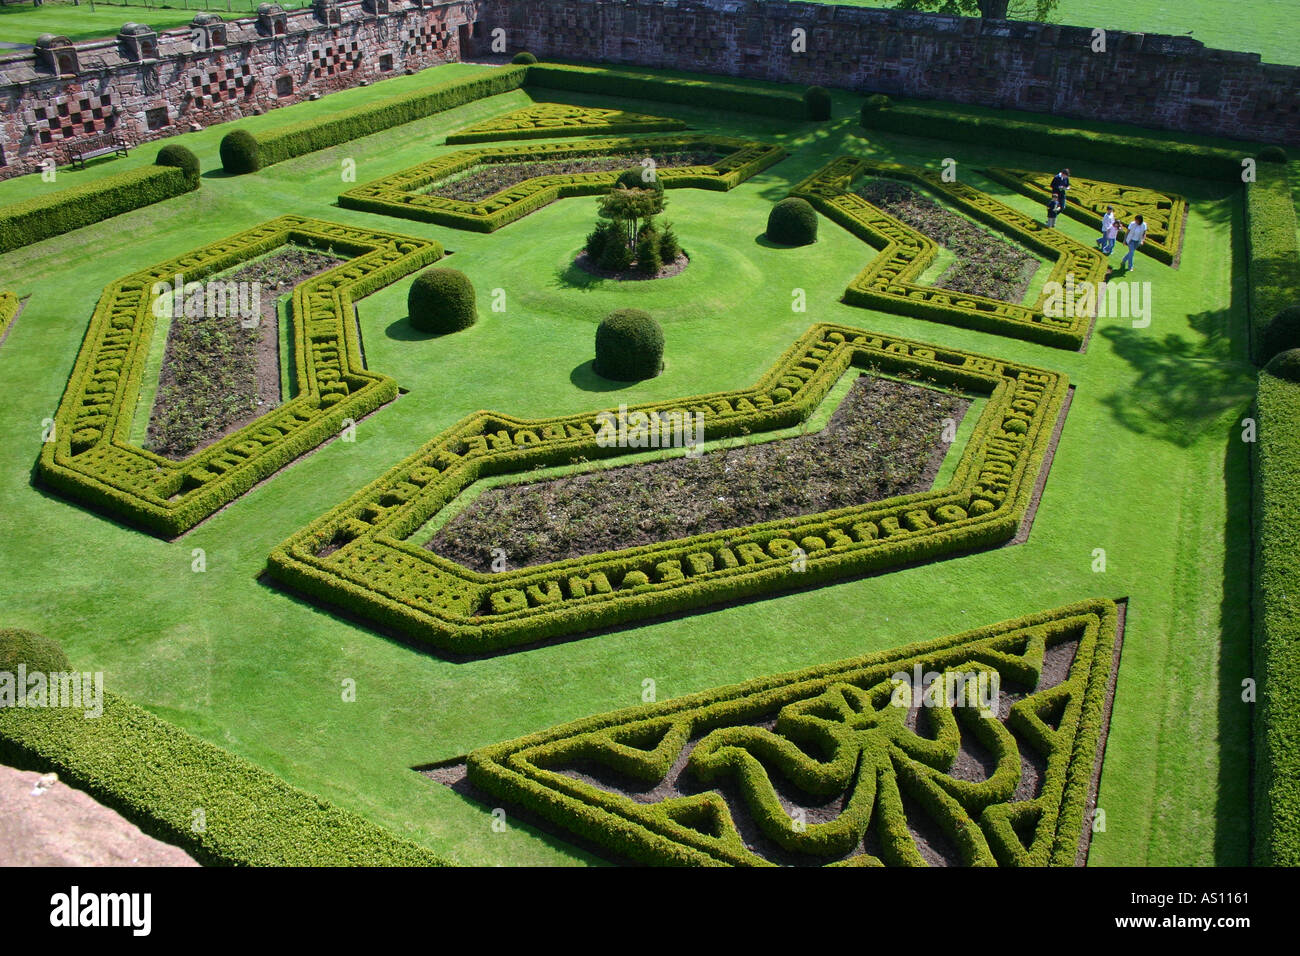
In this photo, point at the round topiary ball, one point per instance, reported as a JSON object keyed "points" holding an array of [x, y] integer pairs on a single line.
{"points": [[1272, 154], [1285, 365], [817, 100], [182, 159], [1281, 333], [792, 222], [636, 179], [35, 652], [240, 153], [874, 104], [441, 301], [629, 346], [523, 58]]}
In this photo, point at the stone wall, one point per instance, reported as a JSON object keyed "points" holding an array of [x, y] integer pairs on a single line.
{"points": [[144, 86], [1158, 81]]}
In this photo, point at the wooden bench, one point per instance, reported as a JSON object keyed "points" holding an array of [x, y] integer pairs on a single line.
{"points": [[92, 147]]}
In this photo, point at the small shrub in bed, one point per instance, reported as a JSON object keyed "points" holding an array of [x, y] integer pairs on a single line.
{"points": [[629, 346], [792, 222], [441, 301], [669, 247], [649, 258]]}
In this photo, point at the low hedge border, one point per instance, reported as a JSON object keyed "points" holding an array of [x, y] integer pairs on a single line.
{"points": [[41, 217], [844, 710], [887, 283], [342, 126], [1272, 253], [357, 556], [91, 458], [554, 120], [1163, 213], [1047, 136], [1277, 622], [397, 195], [8, 312], [158, 776], [686, 91]]}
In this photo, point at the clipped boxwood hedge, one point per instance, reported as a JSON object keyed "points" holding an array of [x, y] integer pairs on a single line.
{"points": [[1027, 132], [629, 346], [357, 555], [341, 126], [854, 712], [441, 301], [91, 458], [8, 311], [689, 91], [157, 775], [31, 650], [792, 222], [240, 153], [183, 159], [55, 213], [817, 101], [1277, 621], [1273, 257]]}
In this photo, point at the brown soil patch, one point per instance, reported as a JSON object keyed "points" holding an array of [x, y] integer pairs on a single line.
{"points": [[882, 441], [56, 825], [587, 264]]}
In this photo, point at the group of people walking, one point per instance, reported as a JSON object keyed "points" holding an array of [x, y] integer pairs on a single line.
{"points": [[1135, 232]]}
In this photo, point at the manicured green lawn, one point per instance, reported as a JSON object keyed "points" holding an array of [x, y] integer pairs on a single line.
{"points": [[1267, 27], [1150, 468], [23, 22]]}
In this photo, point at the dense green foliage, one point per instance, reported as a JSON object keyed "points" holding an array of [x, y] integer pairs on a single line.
{"points": [[1282, 332], [343, 126], [1277, 618], [817, 101], [158, 776], [1285, 365], [629, 344], [8, 311], [442, 301], [625, 84], [1273, 260], [1031, 133], [852, 711], [85, 462], [183, 159], [41, 217], [240, 153], [523, 58], [792, 222], [1272, 154], [34, 651]]}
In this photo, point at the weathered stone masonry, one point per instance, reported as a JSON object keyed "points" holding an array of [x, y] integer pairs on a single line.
{"points": [[143, 85], [1158, 81]]}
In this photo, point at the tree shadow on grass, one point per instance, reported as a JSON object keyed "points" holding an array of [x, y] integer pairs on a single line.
{"points": [[1182, 389], [576, 277], [584, 376]]}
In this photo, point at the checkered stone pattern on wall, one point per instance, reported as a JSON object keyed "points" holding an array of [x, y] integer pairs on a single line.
{"points": [[428, 36], [220, 84], [337, 58], [78, 114]]}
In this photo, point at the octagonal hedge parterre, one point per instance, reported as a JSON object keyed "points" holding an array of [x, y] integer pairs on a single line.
{"points": [[90, 456]]}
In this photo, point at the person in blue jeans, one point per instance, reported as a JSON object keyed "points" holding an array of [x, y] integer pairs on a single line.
{"points": [[1136, 235]]}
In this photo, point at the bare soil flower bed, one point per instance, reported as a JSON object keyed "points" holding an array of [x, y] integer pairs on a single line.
{"points": [[487, 179], [986, 265], [885, 439], [587, 264], [217, 375]]}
